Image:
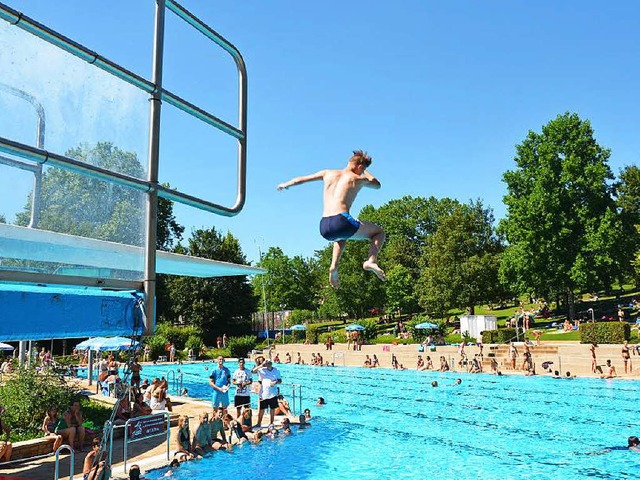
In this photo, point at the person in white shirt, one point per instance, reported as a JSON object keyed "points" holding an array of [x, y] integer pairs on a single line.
{"points": [[269, 377], [242, 379]]}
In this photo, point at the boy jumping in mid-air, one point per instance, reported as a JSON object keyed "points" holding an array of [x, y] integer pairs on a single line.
{"points": [[340, 190]]}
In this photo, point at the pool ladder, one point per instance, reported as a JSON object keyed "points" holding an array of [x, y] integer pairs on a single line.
{"points": [[296, 398], [71, 464], [177, 381]]}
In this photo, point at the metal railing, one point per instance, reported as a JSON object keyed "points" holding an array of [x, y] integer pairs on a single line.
{"points": [[177, 381], [71, 463], [55, 38], [296, 398], [157, 94], [142, 432]]}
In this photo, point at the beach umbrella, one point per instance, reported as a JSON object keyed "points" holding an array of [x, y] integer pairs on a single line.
{"points": [[103, 344], [426, 326], [354, 326], [5, 347], [298, 328]]}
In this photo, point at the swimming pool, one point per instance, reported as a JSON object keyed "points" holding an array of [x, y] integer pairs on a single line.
{"points": [[382, 424]]}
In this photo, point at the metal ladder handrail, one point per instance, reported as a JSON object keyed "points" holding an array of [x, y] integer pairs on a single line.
{"points": [[71, 465], [177, 381]]}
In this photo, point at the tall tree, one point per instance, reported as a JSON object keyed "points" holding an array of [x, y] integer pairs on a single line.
{"points": [[628, 202], [562, 227], [80, 205], [408, 223], [461, 261], [169, 233], [290, 283], [359, 290], [216, 305]]}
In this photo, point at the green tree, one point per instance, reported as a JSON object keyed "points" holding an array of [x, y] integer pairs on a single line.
{"points": [[400, 290], [290, 283], [562, 227], [628, 202], [80, 205], [215, 305], [169, 233], [461, 261], [359, 290], [3, 219]]}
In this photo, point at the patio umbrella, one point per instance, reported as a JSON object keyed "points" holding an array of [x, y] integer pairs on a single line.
{"points": [[103, 344], [298, 327], [426, 326], [5, 347], [354, 326]]}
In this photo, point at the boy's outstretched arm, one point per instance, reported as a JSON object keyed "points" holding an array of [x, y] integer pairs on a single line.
{"points": [[304, 179], [372, 182]]}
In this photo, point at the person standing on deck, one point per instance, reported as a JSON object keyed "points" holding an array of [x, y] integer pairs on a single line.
{"points": [[269, 377], [220, 381]]}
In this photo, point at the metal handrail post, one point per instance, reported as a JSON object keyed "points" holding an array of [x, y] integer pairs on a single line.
{"points": [[169, 373], [57, 467], [110, 426], [36, 169], [152, 169]]}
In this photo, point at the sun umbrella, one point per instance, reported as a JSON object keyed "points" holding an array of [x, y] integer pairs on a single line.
{"points": [[426, 326], [102, 344], [354, 326], [5, 347], [298, 327]]}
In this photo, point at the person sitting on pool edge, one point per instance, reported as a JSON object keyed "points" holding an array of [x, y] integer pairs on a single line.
{"points": [[610, 371], [340, 190]]}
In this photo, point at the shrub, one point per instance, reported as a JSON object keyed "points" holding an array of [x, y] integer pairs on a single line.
{"points": [[157, 343], [300, 317], [296, 336], [338, 337], [177, 335], [392, 339], [26, 397], [604, 332], [214, 353], [370, 331], [501, 335], [312, 334], [94, 413], [194, 343], [240, 347]]}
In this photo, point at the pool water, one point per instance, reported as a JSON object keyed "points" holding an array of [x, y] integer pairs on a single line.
{"points": [[392, 424]]}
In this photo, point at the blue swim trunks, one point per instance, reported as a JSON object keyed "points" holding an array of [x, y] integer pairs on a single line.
{"points": [[338, 227], [220, 399]]}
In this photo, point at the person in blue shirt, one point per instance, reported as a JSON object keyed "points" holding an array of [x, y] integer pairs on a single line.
{"points": [[220, 381]]}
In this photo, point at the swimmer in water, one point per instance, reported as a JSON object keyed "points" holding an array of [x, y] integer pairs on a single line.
{"points": [[340, 190]]}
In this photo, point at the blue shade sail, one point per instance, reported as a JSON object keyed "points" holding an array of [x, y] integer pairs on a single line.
{"points": [[35, 312]]}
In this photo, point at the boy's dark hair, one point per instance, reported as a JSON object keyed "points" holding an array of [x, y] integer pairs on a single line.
{"points": [[361, 158]]}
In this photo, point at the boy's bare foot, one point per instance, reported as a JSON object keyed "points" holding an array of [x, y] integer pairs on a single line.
{"points": [[333, 278], [373, 267]]}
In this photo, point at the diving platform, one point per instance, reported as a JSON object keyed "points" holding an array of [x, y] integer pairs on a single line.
{"points": [[22, 243]]}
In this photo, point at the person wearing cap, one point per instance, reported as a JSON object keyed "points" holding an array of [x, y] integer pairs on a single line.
{"points": [[268, 377]]}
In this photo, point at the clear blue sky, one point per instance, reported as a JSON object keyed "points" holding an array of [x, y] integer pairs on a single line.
{"points": [[439, 93]]}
